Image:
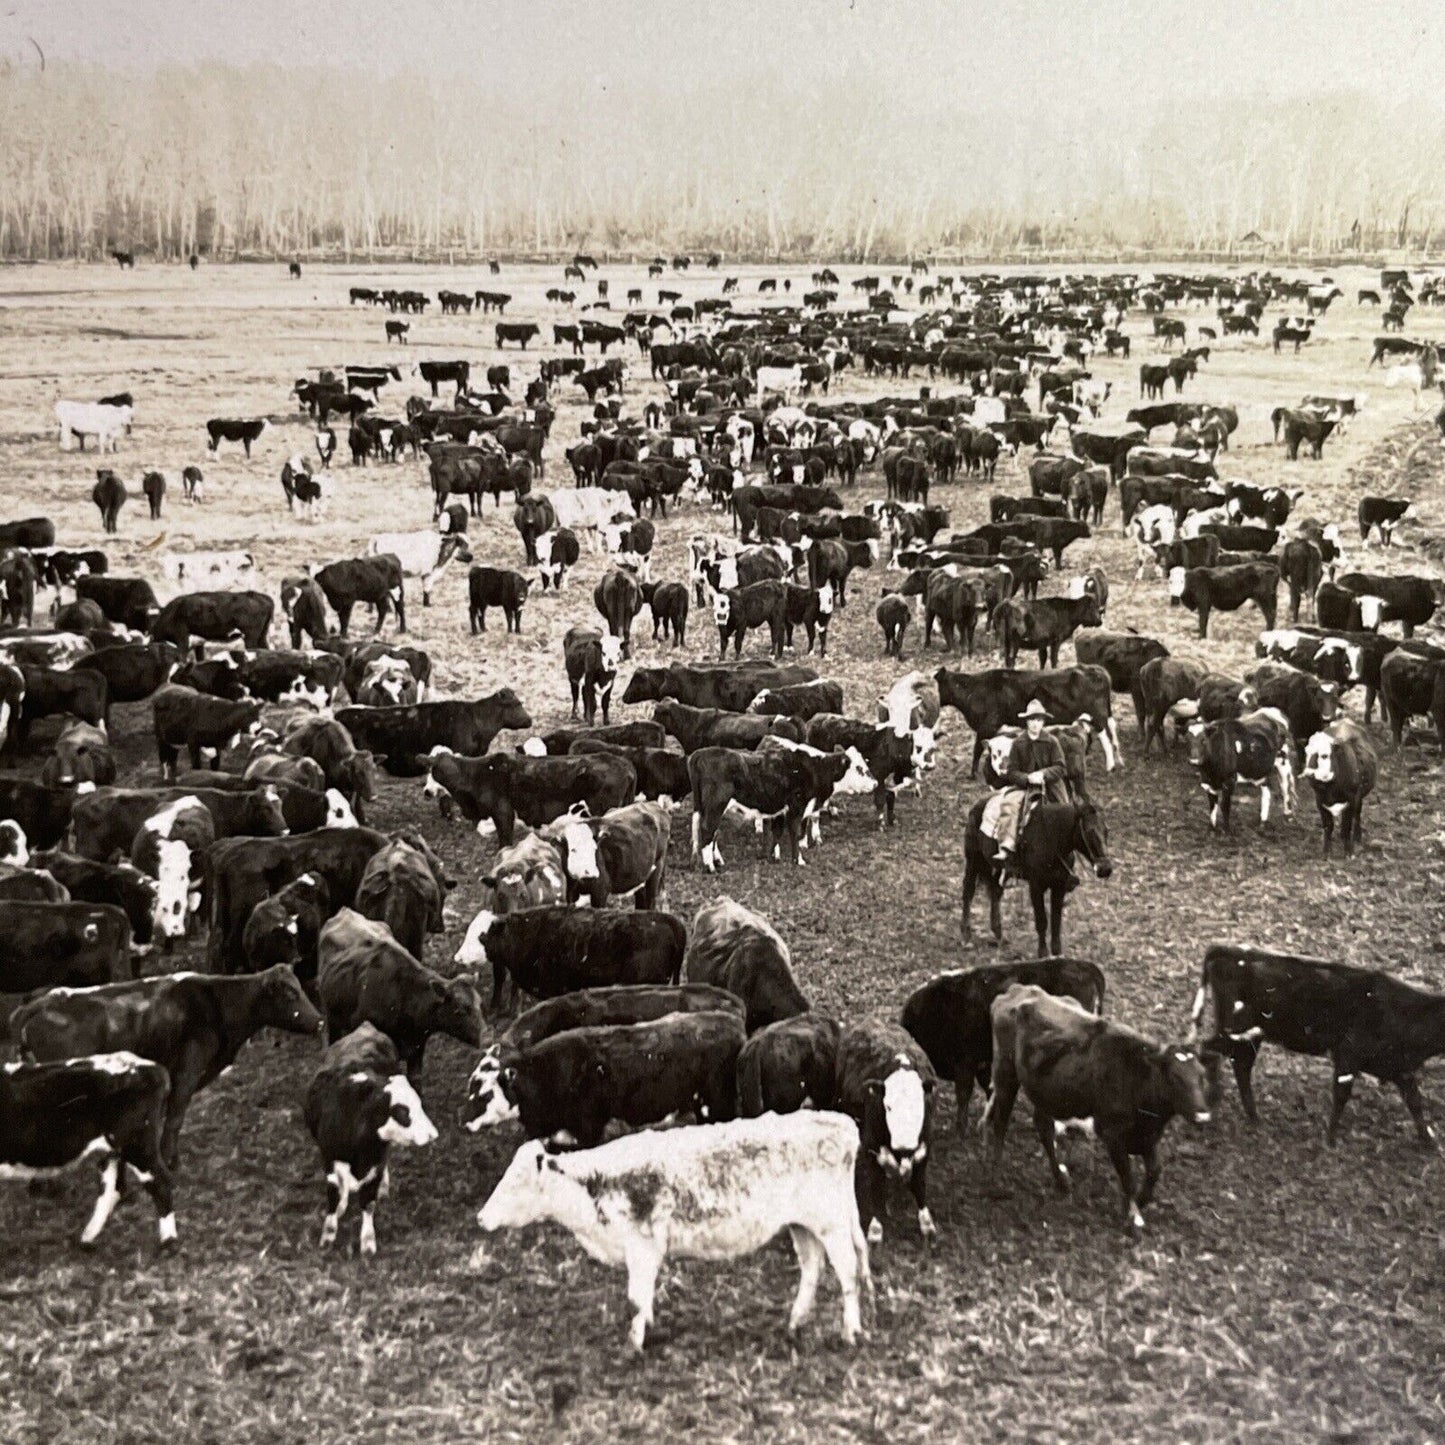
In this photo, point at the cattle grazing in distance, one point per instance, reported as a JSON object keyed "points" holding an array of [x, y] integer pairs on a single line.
{"points": [[750, 1179], [1072, 1064]]}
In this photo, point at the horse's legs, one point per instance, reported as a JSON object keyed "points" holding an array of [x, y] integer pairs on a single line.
{"points": [[1056, 919], [1036, 897]]}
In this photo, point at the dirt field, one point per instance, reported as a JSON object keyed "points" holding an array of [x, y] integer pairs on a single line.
{"points": [[1284, 1290]]}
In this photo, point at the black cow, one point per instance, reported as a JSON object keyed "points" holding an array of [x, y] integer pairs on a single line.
{"points": [[670, 604], [559, 949], [698, 728], [950, 1016], [786, 788], [358, 1105], [245, 433], [204, 726], [458, 372], [403, 736], [661, 775], [568, 1087], [618, 598], [216, 617], [42, 813], [502, 787], [1342, 766], [153, 488], [1204, 590], [192, 1025], [121, 885], [52, 1115], [1383, 513], [885, 1083], [50, 691], [558, 743], [519, 331], [109, 495], [789, 1065], [62, 945], [1252, 748], [1074, 1065], [129, 601], [376, 581], [591, 666], [404, 887], [1365, 1020], [363, 975], [991, 700], [1043, 626], [495, 587], [1410, 601], [733, 948], [1123, 656], [730, 686]]}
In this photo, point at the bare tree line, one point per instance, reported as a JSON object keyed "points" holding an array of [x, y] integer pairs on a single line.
{"points": [[278, 162]]}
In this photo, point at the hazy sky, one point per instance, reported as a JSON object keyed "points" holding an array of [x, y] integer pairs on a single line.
{"points": [[928, 49]]}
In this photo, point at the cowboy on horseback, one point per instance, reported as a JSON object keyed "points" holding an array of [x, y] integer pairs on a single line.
{"points": [[1036, 771]]}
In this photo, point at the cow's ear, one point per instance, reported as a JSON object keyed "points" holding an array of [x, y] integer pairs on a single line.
{"points": [[489, 880], [928, 1082]]}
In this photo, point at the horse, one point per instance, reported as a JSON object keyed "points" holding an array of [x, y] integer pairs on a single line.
{"points": [[1048, 839]]}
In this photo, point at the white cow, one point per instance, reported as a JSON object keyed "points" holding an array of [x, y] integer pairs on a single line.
{"points": [[209, 571], [423, 553], [786, 381], [81, 419], [587, 510], [709, 1191]]}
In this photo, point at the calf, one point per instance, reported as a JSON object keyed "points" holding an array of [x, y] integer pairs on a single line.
{"points": [[555, 950], [622, 854], [1074, 1065], [951, 1017], [192, 1025], [54, 1115], [286, 928], [405, 736], [360, 1103], [759, 604], [205, 726], [591, 662], [1342, 766], [364, 975], [1043, 625], [1253, 748], [216, 617], [661, 774], [109, 495], [51, 691], [556, 551], [885, 1083], [1365, 1020], [719, 1189], [495, 587], [618, 598]]}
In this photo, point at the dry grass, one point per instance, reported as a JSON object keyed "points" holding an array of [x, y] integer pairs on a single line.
{"points": [[1284, 1291]]}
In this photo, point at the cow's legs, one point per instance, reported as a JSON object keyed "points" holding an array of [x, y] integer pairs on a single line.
{"points": [[1044, 1128], [809, 1249], [104, 1205], [1409, 1087], [871, 1196], [644, 1260], [963, 1096], [1153, 1168], [366, 1197], [1123, 1167], [1344, 1085], [918, 1187], [1036, 898]]}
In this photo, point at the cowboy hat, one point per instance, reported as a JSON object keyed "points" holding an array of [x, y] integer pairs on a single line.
{"points": [[1034, 709]]}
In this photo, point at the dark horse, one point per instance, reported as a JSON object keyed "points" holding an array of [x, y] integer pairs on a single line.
{"points": [[1050, 837]]}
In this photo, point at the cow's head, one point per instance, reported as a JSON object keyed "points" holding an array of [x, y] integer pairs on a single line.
{"points": [[722, 609], [899, 1107], [406, 1122], [1372, 611], [611, 653], [1186, 1082], [487, 1101], [1320, 758], [473, 951], [581, 847], [338, 810]]}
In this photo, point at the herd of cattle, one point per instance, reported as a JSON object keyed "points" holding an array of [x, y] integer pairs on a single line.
{"points": [[311, 919]]}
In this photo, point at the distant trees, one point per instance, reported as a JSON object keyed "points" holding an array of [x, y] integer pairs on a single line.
{"points": [[281, 162]]}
